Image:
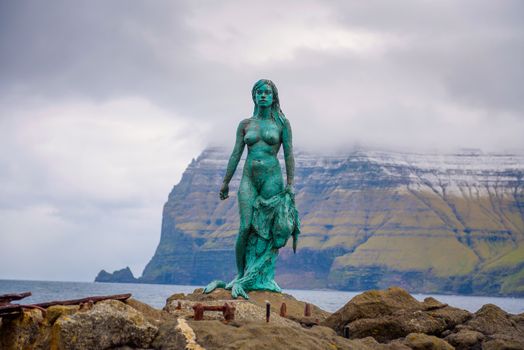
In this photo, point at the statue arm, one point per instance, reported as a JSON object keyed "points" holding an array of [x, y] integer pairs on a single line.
{"points": [[287, 142], [237, 152]]}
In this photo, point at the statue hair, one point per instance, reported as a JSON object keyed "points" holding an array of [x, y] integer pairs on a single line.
{"points": [[276, 112]]}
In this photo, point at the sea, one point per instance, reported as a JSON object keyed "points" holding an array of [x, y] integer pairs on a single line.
{"points": [[156, 294]]}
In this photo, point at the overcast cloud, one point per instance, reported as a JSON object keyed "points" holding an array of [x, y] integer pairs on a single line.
{"points": [[104, 103]]}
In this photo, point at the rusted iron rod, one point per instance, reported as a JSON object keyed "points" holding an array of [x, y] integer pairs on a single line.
{"points": [[6, 298], [94, 299], [227, 311], [10, 308], [199, 312], [283, 310], [213, 308], [307, 310]]}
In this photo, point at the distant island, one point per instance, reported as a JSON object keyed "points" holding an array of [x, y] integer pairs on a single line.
{"points": [[120, 276], [432, 223]]}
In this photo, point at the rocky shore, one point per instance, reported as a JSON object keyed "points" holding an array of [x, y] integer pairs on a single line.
{"points": [[377, 319]]}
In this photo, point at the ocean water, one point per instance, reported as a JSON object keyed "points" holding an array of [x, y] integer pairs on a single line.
{"points": [[156, 294]]}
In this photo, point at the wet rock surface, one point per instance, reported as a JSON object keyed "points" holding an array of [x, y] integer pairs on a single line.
{"points": [[375, 320]]}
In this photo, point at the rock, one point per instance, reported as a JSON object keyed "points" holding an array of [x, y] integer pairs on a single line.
{"points": [[452, 316], [502, 344], [490, 319], [175, 335], [109, 323], [431, 303], [381, 329], [466, 340], [22, 331], [154, 316], [393, 313], [519, 320], [261, 336], [387, 328], [418, 341], [55, 311], [119, 276], [500, 330], [372, 304], [295, 308]]}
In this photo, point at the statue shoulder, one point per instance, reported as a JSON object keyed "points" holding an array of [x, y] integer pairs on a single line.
{"points": [[245, 121], [286, 125], [242, 126]]}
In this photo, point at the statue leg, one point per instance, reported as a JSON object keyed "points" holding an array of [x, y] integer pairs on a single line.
{"points": [[246, 197]]}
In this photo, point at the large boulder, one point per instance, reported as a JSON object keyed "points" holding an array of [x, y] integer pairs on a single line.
{"points": [[22, 331], [107, 324], [400, 324], [490, 319], [393, 313], [502, 330], [489, 328], [372, 304]]}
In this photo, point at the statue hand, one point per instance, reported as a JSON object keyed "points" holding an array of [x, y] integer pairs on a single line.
{"points": [[224, 191]]}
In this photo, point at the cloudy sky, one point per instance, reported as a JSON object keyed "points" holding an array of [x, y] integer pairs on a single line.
{"points": [[104, 103]]}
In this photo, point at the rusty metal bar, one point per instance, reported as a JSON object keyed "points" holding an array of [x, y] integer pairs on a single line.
{"points": [[227, 311], [307, 310], [283, 310], [7, 298]]}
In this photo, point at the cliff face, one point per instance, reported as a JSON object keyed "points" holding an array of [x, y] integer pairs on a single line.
{"points": [[429, 223]]}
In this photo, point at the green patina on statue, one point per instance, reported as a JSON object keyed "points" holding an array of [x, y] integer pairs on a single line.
{"points": [[268, 217]]}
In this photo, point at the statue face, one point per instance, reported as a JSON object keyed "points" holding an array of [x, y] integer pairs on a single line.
{"points": [[264, 96]]}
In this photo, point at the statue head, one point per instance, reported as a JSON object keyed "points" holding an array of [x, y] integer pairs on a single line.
{"points": [[263, 84]]}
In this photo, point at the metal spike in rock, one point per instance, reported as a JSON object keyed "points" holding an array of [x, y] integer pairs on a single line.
{"points": [[307, 310], [283, 310]]}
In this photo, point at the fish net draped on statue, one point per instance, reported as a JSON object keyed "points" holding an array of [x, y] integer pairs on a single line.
{"points": [[274, 221]]}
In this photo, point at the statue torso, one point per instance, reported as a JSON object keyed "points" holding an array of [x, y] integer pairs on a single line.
{"points": [[262, 134]]}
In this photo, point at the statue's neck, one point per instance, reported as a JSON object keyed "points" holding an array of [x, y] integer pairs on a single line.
{"points": [[263, 113]]}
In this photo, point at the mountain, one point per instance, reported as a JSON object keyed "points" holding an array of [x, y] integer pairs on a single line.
{"points": [[446, 223]]}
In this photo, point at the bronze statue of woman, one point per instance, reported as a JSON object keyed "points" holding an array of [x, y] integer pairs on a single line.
{"points": [[268, 216]]}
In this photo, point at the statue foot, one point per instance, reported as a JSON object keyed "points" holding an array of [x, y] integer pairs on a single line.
{"points": [[229, 286], [238, 291], [214, 285]]}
